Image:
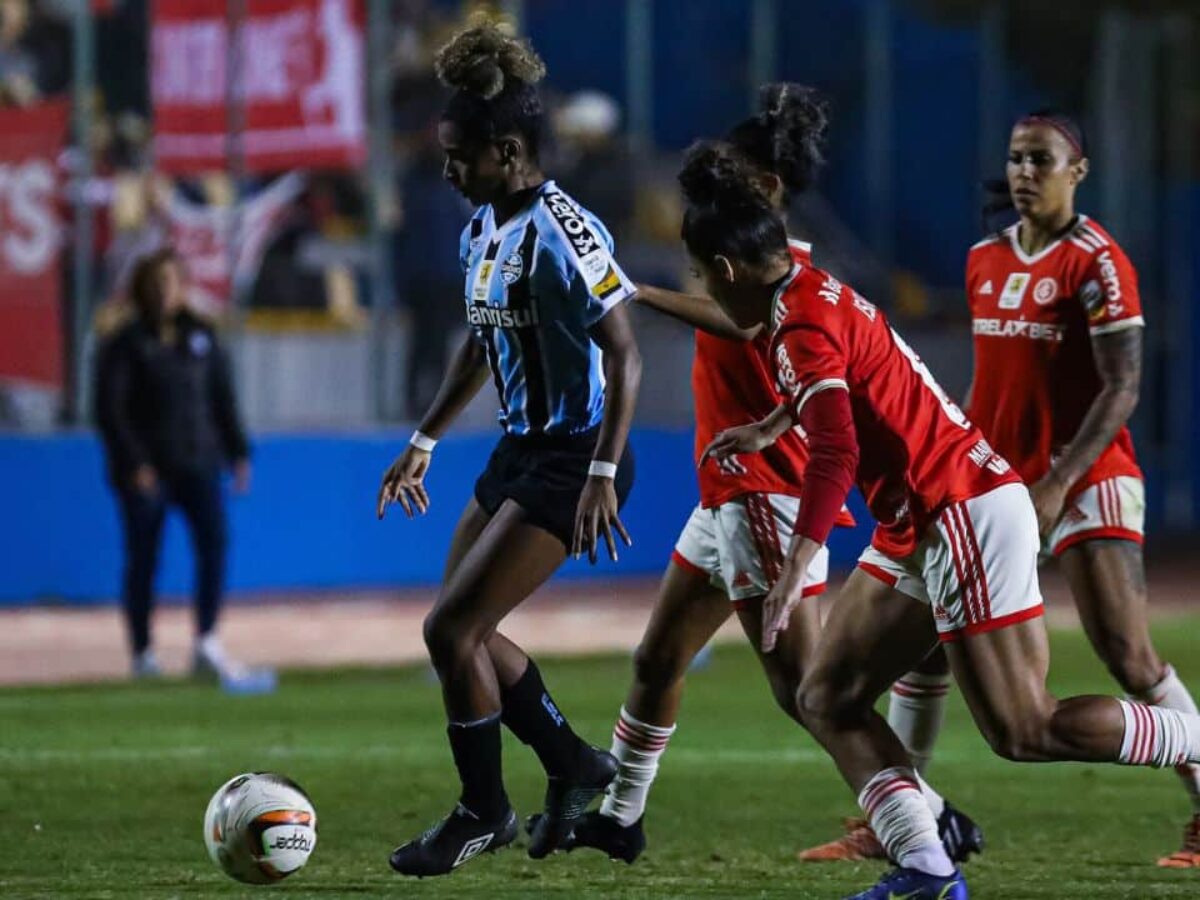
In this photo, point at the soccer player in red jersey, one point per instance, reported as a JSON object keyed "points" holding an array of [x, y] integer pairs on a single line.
{"points": [[730, 552], [957, 533], [1058, 356]]}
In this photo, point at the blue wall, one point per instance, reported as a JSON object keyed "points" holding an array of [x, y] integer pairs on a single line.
{"points": [[309, 521]]}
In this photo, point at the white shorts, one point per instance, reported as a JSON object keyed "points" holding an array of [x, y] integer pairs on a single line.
{"points": [[740, 546], [977, 566], [1114, 508]]}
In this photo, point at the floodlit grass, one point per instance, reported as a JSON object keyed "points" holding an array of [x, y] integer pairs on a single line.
{"points": [[103, 789]]}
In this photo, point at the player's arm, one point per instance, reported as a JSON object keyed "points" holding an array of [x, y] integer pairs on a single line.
{"points": [[695, 310], [403, 482], [1118, 357], [596, 514], [820, 405], [1109, 296]]}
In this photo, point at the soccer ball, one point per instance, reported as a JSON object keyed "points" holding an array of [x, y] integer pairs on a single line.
{"points": [[260, 827]]}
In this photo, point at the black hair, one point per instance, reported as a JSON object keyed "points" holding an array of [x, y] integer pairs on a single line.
{"points": [[493, 75], [997, 198], [787, 135], [727, 214]]}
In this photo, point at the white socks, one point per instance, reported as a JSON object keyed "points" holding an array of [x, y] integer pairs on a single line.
{"points": [[637, 747], [1170, 693], [916, 712], [1155, 736], [903, 822]]}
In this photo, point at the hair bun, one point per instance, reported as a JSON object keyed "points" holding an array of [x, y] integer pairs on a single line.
{"points": [[715, 173], [484, 59]]}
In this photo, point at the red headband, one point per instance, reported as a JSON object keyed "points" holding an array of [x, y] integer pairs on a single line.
{"points": [[1057, 126]]}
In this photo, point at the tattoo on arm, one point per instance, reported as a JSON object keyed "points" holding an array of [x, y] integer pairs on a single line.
{"points": [[1118, 358]]}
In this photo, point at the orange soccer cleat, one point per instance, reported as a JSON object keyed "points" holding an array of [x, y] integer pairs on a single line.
{"points": [[859, 842], [1188, 856]]}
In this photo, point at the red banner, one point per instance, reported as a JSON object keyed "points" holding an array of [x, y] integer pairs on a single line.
{"points": [[31, 236], [300, 80]]}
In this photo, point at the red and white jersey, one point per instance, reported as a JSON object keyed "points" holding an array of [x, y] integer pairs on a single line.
{"points": [[1033, 318], [917, 451], [732, 384]]}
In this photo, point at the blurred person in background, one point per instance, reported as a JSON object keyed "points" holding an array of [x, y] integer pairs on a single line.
{"points": [[168, 418], [18, 64], [594, 158], [428, 269]]}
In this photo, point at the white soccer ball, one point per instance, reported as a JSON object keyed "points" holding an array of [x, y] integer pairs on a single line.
{"points": [[260, 827]]}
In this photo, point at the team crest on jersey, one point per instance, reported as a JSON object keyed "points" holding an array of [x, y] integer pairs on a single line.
{"points": [[512, 268], [1014, 290], [1045, 291], [987, 290]]}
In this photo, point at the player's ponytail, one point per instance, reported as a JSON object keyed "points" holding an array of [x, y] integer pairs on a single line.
{"points": [[493, 75], [727, 213], [997, 198], [787, 136]]}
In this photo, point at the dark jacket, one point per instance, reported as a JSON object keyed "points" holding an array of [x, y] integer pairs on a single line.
{"points": [[167, 405]]}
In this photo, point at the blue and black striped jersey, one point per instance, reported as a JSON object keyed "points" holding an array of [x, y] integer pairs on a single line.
{"points": [[534, 286]]}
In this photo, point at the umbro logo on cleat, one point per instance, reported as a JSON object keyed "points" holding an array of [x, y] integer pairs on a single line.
{"points": [[473, 848]]}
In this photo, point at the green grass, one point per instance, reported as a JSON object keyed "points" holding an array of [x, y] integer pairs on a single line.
{"points": [[102, 791]]}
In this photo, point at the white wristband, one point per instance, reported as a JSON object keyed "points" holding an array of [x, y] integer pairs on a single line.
{"points": [[602, 469], [422, 441]]}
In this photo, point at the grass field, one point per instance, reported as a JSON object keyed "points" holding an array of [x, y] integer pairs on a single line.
{"points": [[102, 791]]}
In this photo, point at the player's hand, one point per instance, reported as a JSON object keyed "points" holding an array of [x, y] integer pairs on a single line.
{"points": [[404, 483], [777, 609], [732, 441], [1049, 496], [145, 480], [596, 516]]}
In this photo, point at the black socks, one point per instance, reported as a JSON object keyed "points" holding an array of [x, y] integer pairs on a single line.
{"points": [[476, 748], [532, 716]]}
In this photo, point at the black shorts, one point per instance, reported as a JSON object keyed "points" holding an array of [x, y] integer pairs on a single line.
{"points": [[545, 475]]}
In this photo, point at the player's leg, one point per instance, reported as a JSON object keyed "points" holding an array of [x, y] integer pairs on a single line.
{"points": [[875, 632], [687, 613], [142, 517], [1000, 655], [917, 707], [1108, 582], [981, 568], [507, 561]]}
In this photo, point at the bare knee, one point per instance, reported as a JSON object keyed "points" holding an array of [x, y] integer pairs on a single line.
{"points": [[449, 639], [822, 701], [1027, 737], [657, 668]]}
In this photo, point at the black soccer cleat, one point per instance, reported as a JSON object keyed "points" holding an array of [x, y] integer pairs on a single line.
{"points": [[961, 836], [610, 837], [458, 838], [567, 798]]}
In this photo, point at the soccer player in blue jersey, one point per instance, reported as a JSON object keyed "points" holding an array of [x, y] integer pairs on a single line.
{"points": [[545, 302]]}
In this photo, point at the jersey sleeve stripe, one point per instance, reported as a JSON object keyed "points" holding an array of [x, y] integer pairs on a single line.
{"points": [[1082, 245], [1095, 235], [825, 384], [1131, 322]]}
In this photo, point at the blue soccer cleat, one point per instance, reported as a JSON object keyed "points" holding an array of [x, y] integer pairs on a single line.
{"points": [[909, 884]]}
